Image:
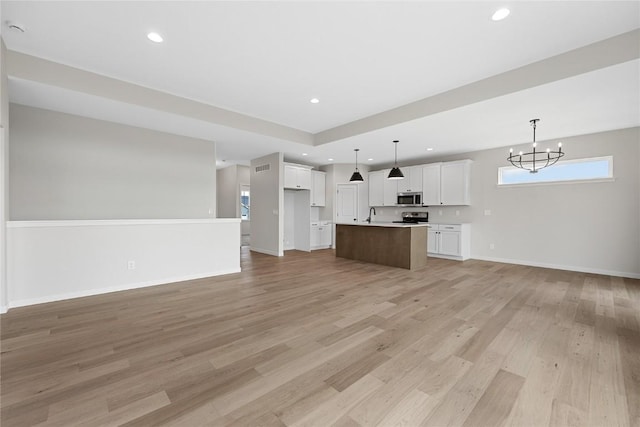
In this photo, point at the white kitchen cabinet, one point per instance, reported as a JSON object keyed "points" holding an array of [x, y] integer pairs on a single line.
{"points": [[389, 190], [412, 182], [376, 188], [455, 180], [320, 235], [447, 183], [431, 184], [318, 188], [297, 177], [382, 191], [451, 241]]}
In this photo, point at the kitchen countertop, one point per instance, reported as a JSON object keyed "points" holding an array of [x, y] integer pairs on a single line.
{"points": [[389, 224]]}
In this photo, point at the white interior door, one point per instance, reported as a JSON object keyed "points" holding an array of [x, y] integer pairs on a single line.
{"points": [[347, 203]]}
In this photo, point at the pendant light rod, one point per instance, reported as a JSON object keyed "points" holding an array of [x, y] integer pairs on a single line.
{"points": [[395, 172], [357, 149], [356, 176], [395, 158]]}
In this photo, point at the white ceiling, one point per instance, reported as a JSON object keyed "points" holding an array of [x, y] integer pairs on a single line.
{"points": [[268, 59]]}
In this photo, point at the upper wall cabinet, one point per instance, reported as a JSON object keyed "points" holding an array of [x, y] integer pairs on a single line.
{"points": [[447, 183], [390, 189], [318, 188], [297, 177], [412, 182], [382, 191], [376, 188], [431, 184]]}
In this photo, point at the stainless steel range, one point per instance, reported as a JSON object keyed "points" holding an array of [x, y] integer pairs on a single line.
{"points": [[413, 217]]}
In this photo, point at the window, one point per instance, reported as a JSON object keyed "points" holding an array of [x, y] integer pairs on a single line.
{"points": [[245, 205], [597, 168]]}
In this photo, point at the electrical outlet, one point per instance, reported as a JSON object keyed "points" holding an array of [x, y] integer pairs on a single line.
{"points": [[492, 246], [131, 265], [457, 213], [440, 212], [487, 212]]}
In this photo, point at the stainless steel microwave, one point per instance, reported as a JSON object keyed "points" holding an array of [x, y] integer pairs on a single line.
{"points": [[409, 199]]}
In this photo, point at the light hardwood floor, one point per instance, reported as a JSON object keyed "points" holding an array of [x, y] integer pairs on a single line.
{"points": [[314, 340]]}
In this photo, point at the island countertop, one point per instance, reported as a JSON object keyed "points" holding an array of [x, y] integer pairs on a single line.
{"points": [[393, 244], [391, 224]]}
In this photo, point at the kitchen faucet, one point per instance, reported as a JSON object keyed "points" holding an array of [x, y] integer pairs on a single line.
{"points": [[374, 212]]}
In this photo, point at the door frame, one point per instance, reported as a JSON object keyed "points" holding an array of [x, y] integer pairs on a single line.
{"points": [[356, 204]]}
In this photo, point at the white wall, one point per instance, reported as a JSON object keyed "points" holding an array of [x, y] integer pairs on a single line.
{"points": [[69, 167], [267, 205], [591, 227], [54, 260]]}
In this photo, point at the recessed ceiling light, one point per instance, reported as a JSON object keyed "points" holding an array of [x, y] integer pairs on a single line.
{"points": [[429, 149], [500, 14], [331, 160], [304, 154], [369, 160], [155, 37], [314, 100]]}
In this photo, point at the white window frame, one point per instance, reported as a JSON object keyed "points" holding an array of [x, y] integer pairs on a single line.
{"points": [[607, 178]]}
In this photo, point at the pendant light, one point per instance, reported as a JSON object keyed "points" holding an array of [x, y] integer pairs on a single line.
{"points": [[356, 177], [396, 173]]}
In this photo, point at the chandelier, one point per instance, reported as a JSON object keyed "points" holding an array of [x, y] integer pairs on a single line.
{"points": [[535, 160]]}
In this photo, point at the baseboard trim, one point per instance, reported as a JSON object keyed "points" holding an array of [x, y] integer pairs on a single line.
{"points": [[561, 267], [3, 309], [264, 251], [125, 287]]}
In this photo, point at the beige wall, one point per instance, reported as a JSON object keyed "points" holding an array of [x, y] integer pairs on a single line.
{"points": [[228, 184], [340, 174], [4, 173], [69, 167], [590, 226], [227, 192], [267, 205]]}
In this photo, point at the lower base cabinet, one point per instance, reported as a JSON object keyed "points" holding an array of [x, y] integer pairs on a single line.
{"points": [[451, 241], [320, 235]]}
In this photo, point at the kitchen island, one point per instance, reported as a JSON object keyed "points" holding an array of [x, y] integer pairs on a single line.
{"points": [[395, 245]]}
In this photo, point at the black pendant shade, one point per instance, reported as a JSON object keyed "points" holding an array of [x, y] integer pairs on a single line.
{"points": [[356, 177], [395, 173]]}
